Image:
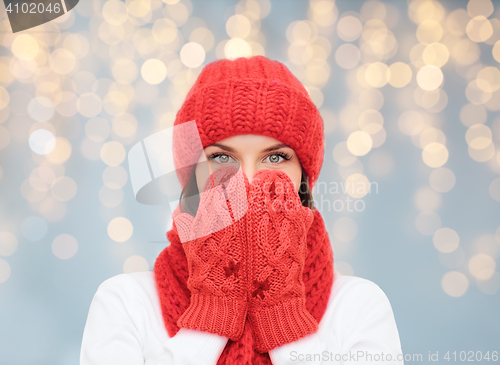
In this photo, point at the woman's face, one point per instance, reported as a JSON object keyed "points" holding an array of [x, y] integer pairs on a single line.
{"points": [[252, 153]]}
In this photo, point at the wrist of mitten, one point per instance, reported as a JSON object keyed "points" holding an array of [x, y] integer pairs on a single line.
{"points": [[224, 316], [284, 322]]}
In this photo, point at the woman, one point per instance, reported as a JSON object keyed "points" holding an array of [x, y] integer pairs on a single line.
{"points": [[248, 276]]}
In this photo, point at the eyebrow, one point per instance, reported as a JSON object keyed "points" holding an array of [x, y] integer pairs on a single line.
{"points": [[230, 149]]}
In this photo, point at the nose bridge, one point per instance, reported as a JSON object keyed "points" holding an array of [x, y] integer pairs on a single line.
{"points": [[249, 168]]}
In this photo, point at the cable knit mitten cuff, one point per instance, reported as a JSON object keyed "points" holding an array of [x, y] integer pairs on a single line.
{"points": [[282, 323], [226, 316]]}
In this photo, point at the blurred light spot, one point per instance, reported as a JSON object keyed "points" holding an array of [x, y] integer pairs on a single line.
{"points": [[124, 125], [64, 246], [435, 154], [496, 51], [482, 266], [4, 271], [429, 31], [347, 56], [457, 22], [380, 163], [478, 136], [377, 74], [400, 74], [345, 229], [371, 99], [153, 71], [65, 103], [164, 31], [480, 7], [77, 44], [61, 152], [4, 98], [471, 114], [41, 109], [51, 209], [64, 188], [426, 199], [452, 260], [429, 77], [482, 155], [42, 142], [89, 105], [479, 29], [110, 198], [115, 177], [120, 229], [31, 193], [436, 54], [357, 185], [490, 286], [371, 121], [124, 71], [177, 11], [446, 240], [454, 283], [301, 32], [204, 37], [97, 129], [442, 179], [8, 243], [342, 155], [112, 153], [238, 26], [410, 122], [324, 13], [192, 55], [495, 189], [349, 28], [419, 11], [115, 12], [431, 135], [135, 263], [25, 47], [316, 96], [62, 61], [488, 79], [139, 8], [343, 268], [34, 228], [465, 52], [91, 150], [427, 222], [237, 47], [359, 143]]}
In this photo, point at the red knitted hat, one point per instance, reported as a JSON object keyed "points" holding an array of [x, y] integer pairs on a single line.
{"points": [[250, 96]]}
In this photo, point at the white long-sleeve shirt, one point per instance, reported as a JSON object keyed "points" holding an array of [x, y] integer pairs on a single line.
{"points": [[125, 327]]}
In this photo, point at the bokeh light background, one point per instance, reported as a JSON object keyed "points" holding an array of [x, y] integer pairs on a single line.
{"points": [[410, 96]]}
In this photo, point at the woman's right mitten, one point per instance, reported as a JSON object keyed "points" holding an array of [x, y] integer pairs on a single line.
{"points": [[215, 246]]}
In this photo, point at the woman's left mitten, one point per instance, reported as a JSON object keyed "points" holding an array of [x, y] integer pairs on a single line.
{"points": [[277, 229]]}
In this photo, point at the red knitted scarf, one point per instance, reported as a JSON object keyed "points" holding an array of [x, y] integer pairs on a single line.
{"points": [[171, 281]]}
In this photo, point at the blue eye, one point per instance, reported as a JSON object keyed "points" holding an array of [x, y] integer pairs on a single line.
{"points": [[221, 158], [278, 157]]}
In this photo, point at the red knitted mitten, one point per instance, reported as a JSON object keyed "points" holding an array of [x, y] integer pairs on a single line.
{"points": [[277, 229], [215, 245]]}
